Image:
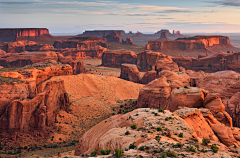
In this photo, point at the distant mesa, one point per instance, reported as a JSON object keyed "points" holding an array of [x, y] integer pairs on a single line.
{"points": [[138, 34], [128, 41], [101, 33], [7, 35], [196, 43]]}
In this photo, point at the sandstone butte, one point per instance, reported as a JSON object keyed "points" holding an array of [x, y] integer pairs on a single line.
{"points": [[27, 104], [14, 34]]}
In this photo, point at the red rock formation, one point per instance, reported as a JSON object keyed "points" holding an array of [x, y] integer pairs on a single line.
{"points": [[146, 60], [13, 34], [36, 113], [80, 44], [130, 72], [196, 121], [218, 62], [128, 41], [77, 67], [115, 58], [197, 43], [113, 37], [163, 37], [148, 77], [20, 46], [233, 106]]}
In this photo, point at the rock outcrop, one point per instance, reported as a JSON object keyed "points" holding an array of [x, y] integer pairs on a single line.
{"points": [[36, 113], [148, 77], [130, 72], [115, 58], [156, 130], [163, 37], [233, 108]]}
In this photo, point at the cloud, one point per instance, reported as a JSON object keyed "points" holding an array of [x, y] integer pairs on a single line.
{"points": [[232, 3]]}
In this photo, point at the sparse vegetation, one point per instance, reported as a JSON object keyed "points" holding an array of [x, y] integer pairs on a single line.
{"points": [[105, 152], [205, 141], [214, 148], [118, 152], [134, 126]]}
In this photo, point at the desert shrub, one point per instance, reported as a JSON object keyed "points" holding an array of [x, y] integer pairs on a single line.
{"points": [[185, 86], [203, 150], [180, 135], [126, 111], [214, 148], [118, 152], [157, 138], [105, 152], [134, 126], [132, 146], [159, 129], [161, 110], [171, 153], [1, 147], [205, 141], [127, 133], [191, 148], [94, 153], [178, 145]]}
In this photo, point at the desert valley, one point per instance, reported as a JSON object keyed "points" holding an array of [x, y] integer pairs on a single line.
{"points": [[108, 93]]}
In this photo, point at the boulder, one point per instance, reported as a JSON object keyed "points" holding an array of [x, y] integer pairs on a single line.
{"points": [[130, 72], [191, 97], [155, 94]]}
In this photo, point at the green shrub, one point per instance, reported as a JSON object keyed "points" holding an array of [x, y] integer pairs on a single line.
{"points": [[177, 87], [214, 148], [157, 138], [1, 147], [127, 111], [25, 147], [159, 129], [127, 133], [134, 126], [180, 135], [203, 150], [171, 153], [191, 148], [132, 146], [205, 141], [94, 153], [161, 110], [185, 86], [118, 152], [105, 152], [178, 145]]}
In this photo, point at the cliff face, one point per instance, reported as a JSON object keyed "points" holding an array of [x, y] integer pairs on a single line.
{"points": [[13, 34]]}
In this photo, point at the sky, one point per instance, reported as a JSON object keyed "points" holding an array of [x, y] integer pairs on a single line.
{"points": [[76, 16]]}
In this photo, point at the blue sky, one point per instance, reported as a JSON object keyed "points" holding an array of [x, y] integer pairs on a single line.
{"points": [[75, 16]]}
